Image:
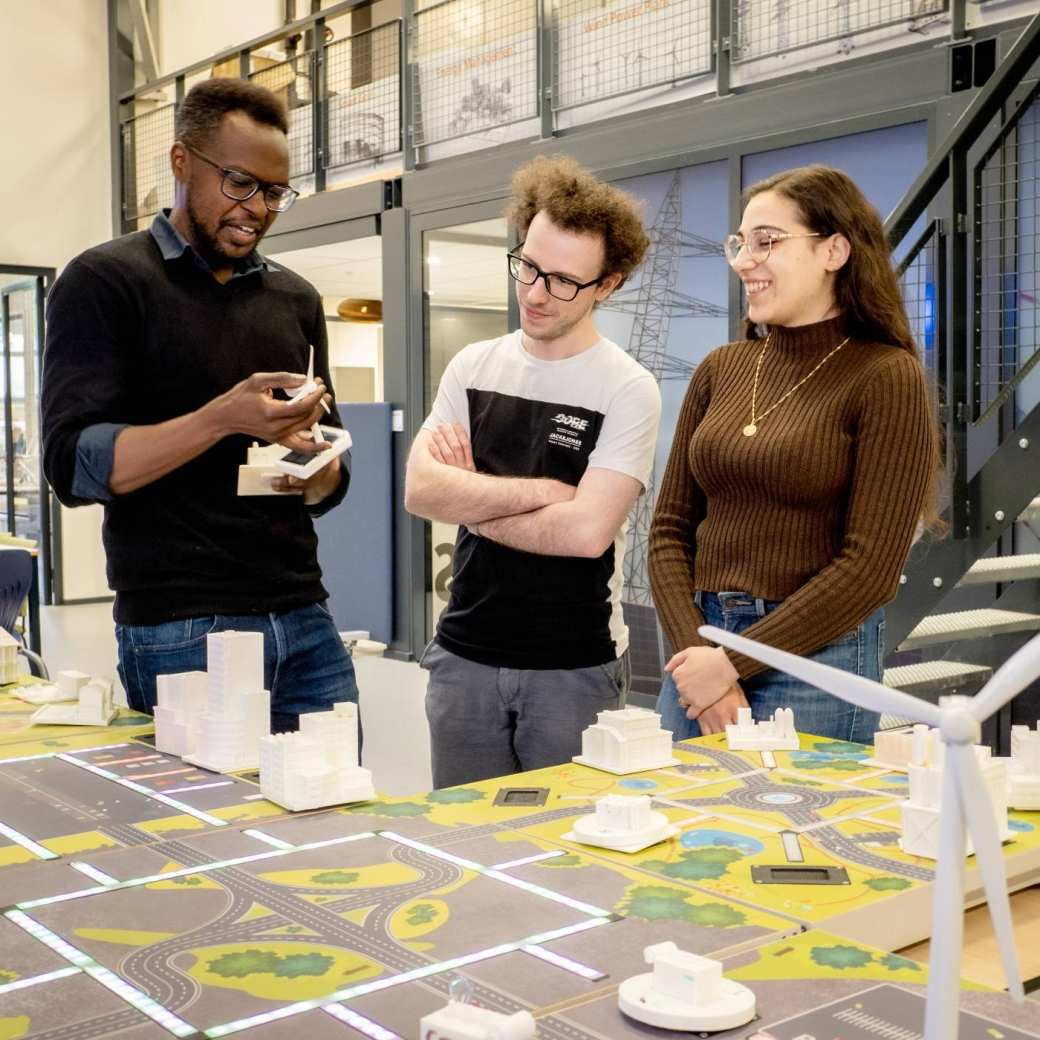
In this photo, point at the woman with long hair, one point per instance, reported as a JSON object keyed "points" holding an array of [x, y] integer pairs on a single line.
{"points": [[804, 458]]}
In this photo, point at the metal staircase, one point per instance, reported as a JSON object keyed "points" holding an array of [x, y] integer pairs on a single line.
{"points": [[971, 282]]}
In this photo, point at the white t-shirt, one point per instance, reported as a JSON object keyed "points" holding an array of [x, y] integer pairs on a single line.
{"points": [[532, 418]]}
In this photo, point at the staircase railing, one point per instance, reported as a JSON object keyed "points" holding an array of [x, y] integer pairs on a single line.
{"points": [[962, 283]]}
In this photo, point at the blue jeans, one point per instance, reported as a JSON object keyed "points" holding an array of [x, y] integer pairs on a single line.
{"points": [[306, 666], [861, 652]]}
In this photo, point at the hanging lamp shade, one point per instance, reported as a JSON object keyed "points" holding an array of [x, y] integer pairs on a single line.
{"points": [[360, 310]]}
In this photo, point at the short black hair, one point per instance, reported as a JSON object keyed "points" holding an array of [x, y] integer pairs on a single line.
{"points": [[205, 105]]}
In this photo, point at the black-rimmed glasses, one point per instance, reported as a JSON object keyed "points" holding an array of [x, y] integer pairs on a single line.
{"points": [[558, 286], [242, 186], [759, 243]]}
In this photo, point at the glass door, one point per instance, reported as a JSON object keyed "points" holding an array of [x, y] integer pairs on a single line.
{"points": [[24, 502]]}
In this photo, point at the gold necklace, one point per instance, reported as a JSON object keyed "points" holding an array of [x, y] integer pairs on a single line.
{"points": [[752, 427]]}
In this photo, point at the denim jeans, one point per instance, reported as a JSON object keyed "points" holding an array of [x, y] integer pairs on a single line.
{"points": [[487, 722], [861, 651], [306, 666]]}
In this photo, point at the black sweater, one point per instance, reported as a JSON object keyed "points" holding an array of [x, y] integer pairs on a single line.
{"points": [[136, 339]]}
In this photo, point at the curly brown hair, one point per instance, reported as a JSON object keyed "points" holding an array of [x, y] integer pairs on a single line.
{"points": [[575, 200]]}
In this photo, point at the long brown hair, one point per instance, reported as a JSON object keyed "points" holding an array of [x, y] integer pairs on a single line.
{"points": [[866, 290]]}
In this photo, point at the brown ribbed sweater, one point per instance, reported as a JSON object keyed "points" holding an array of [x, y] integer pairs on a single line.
{"points": [[818, 509]]}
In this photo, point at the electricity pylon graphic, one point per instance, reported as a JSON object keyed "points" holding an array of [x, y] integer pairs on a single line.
{"points": [[654, 302]]}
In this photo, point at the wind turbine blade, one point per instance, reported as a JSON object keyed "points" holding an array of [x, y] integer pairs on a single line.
{"points": [[849, 687], [310, 366], [978, 811], [1013, 676]]}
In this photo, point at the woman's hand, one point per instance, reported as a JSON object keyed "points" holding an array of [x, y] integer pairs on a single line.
{"points": [[716, 717], [702, 675]]}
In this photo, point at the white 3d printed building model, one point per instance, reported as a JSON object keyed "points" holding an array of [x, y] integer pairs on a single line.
{"points": [[93, 707], [902, 748], [180, 705], [238, 708], [919, 814], [685, 992], [1024, 768], [775, 734], [8, 657], [629, 740], [317, 766], [622, 822], [254, 478], [459, 1021]]}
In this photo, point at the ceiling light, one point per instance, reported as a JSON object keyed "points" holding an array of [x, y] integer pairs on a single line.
{"points": [[361, 311]]}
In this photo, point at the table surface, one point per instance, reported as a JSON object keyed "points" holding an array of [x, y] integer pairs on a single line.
{"points": [[222, 913]]}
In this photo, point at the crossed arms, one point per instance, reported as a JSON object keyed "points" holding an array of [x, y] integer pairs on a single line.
{"points": [[536, 515]]}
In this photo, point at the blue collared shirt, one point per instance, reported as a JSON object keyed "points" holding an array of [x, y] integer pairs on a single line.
{"points": [[95, 448]]}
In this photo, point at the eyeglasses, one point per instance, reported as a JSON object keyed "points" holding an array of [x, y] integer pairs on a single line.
{"points": [[556, 285], [759, 243], [242, 186]]}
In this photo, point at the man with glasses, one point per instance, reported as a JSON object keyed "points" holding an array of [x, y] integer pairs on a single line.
{"points": [[168, 352], [537, 446]]}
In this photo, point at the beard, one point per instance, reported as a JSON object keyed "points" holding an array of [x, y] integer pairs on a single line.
{"points": [[206, 244]]}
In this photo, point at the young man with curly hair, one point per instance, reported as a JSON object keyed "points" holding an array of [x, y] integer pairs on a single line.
{"points": [[538, 445]]}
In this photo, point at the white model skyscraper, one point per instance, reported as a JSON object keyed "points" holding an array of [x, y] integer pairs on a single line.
{"points": [[238, 708], [317, 766], [181, 703]]}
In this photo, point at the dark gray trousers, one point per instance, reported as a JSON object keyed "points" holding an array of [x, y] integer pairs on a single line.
{"points": [[487, 722]]}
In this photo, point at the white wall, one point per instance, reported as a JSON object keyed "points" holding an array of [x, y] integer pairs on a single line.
{"points": [[192, 30], [55, 180]]}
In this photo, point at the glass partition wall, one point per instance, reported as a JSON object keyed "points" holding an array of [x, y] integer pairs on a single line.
{"points": [[465, 299]]}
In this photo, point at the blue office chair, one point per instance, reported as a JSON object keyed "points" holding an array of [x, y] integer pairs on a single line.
{"points": [[15, 582]]}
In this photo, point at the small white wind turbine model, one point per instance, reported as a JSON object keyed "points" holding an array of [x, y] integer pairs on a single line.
{"points": [[964, 803]]}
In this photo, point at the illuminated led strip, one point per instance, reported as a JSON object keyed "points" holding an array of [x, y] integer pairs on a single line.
{"points": [[363, 1025], [529, 859], [270, 839], [133, 761], [165, 772], [491, 872], [432, 850], [183, 807], [94, 873], [252, 797], [188, 871], [85, 963], [575, 967], [396, 980], [35, 980], [53, 754], [27, 843], [200, 787]]}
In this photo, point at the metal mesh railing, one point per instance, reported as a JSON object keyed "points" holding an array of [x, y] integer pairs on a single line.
{"points": [[475, 67], [607, 48], [293, 82], [1007, 261], [147, 177], [763, 28], [921, 281], [363, 84]]}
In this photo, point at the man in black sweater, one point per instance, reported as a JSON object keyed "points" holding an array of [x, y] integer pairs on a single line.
{"points": [[168, 352]]}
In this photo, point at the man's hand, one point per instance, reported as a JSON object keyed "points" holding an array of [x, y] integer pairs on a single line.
{"points": [[250, 407], [722, 713], [702, 675], [450, 444], [315, 488]]}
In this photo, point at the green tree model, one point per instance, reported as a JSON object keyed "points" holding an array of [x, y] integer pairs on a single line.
{"points": [[840, 957]]}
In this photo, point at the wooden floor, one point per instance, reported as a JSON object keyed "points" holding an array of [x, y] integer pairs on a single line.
{"points": [[981, 958]]}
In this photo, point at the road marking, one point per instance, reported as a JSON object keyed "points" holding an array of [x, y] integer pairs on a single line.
{"points": [[183, 807], [85, 963], [768, 759], [201, 787], [27, 843], [792, 847], [35, 980]]}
